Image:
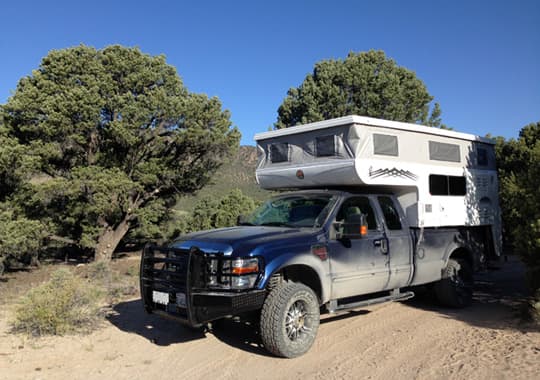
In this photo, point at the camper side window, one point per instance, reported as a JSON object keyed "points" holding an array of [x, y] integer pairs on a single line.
{"points": [[325, 146], [279, 152], [447, 185], [385, 145], [444, 152]]}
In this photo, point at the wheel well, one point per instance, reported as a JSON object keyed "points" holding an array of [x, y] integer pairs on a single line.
{"points": [[462, 253], [302, 274]]}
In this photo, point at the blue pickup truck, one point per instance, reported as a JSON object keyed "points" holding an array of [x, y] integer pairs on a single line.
{"points": [[306, 252]]}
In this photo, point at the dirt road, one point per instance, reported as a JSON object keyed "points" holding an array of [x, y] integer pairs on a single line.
{"points": [[395, 340]]}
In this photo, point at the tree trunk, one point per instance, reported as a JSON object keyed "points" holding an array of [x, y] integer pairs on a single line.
{"points": [[109, 240]]}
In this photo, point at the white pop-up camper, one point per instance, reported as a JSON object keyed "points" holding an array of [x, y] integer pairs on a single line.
{"points": [[441, 177]]}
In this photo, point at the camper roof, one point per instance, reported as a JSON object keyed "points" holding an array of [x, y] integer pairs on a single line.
{"points": [[353, 119]]}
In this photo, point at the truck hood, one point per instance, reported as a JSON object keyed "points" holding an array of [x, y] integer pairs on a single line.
{"points": [[247, 240]]}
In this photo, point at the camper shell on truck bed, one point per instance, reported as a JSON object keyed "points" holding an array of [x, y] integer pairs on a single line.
{"points": [[441, 178]]}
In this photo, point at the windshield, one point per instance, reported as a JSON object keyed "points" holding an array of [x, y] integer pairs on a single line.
{"points": [[306, 210]]}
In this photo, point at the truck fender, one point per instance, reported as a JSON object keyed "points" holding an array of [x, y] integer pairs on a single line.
{"points": [[456, 250], [308, 260]]}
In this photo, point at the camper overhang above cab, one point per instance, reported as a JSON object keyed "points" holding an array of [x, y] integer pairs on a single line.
{"points": [[355, 150]]}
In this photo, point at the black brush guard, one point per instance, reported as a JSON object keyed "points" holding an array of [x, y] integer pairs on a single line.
{"points": [[180, 278]]}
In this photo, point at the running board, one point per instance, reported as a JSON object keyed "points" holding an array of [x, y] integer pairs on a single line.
{"points": [[395, 295]]}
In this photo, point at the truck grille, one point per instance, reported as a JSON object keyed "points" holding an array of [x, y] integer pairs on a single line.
{"points": [[190, 285], [172, 273], [166, 268]]}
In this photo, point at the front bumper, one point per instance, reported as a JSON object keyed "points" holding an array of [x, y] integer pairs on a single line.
{"points": [[178, 277]]}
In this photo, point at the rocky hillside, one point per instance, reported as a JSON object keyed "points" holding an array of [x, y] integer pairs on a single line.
{"points": [[239, 173]]}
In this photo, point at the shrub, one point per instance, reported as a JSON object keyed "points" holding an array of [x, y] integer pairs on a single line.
{"points": [[112, 282], [100, 271], [216, 213], [64, 304]]}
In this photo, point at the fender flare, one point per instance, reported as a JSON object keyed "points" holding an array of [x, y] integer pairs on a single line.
{"points": [[318, 266], [455, 247]]}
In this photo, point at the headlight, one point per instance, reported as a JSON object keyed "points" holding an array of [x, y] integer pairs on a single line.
{"points": [[239, 273], [244, 282], [244, 266]]}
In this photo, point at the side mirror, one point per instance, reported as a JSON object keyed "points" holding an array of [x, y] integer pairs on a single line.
{"points": [[355, 226], [240, 220]]}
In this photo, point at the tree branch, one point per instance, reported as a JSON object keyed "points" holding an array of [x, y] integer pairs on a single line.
{"points": [[62, 239]]}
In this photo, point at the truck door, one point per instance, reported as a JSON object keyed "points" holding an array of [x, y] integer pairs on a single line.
{"points": [[359, 266], [399, 243]]}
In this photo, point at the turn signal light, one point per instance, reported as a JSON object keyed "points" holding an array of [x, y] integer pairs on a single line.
{"points": [[245, 266], [363, 230], [320, 251]]}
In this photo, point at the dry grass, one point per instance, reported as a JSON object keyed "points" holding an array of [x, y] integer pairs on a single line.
{"points": [[64, 304]]}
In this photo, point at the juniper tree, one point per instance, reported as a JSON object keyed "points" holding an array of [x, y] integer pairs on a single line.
{"points": [[114, 136], [518, 162], [366, 84]]}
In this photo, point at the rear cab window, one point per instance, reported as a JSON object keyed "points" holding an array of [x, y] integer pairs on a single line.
{"points": [[390, 213]]}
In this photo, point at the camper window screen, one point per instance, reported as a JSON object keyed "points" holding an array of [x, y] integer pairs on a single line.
{"points": [[482, 157], [279, 152], [325, 146], [385, 145], [444, 152]]}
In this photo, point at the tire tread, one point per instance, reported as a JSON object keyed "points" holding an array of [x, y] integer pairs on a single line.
{"points": [[271, 319]]}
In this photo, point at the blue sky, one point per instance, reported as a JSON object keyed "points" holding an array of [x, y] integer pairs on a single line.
{"points": [[479, 59]]}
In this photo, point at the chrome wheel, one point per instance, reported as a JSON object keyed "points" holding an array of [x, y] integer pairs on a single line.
{"points": [[289, 319], [295, 320]]}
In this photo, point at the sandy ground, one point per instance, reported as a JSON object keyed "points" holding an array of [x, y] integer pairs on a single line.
{"points": [[394, 340]]}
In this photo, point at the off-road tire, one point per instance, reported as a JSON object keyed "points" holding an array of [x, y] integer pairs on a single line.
{"points": [[289, 320], [455, 289]]}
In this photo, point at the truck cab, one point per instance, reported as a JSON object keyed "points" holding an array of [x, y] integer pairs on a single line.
{"points": [[337, 244]]}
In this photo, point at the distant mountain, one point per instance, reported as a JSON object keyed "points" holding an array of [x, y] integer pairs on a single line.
{"points": [[238, 173]]}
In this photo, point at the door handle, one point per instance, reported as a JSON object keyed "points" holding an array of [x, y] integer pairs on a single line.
{"points": [[382, 243]]}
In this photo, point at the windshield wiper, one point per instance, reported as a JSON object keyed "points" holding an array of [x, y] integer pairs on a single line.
{"points": [[276, 224], [246, 224]]}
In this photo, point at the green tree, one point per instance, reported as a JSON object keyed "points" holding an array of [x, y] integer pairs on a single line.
{"points": [[114, 137], [19, 236], [14, 163], [519, 174], [215, 213], [367, 84]]}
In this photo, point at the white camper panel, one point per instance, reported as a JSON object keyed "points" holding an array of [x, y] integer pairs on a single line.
{"points": [[442, 178]]}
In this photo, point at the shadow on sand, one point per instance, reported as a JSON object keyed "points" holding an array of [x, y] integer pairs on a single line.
{"points": [[496, 304], [498, 298], [242, 333], [130, 317]]}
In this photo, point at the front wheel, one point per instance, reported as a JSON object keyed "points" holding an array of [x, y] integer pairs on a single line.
{"points": [[455, 289], [290, 320]]}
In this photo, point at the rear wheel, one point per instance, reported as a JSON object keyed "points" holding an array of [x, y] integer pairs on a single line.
{"points": [[455, 289], [290, 320]]}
